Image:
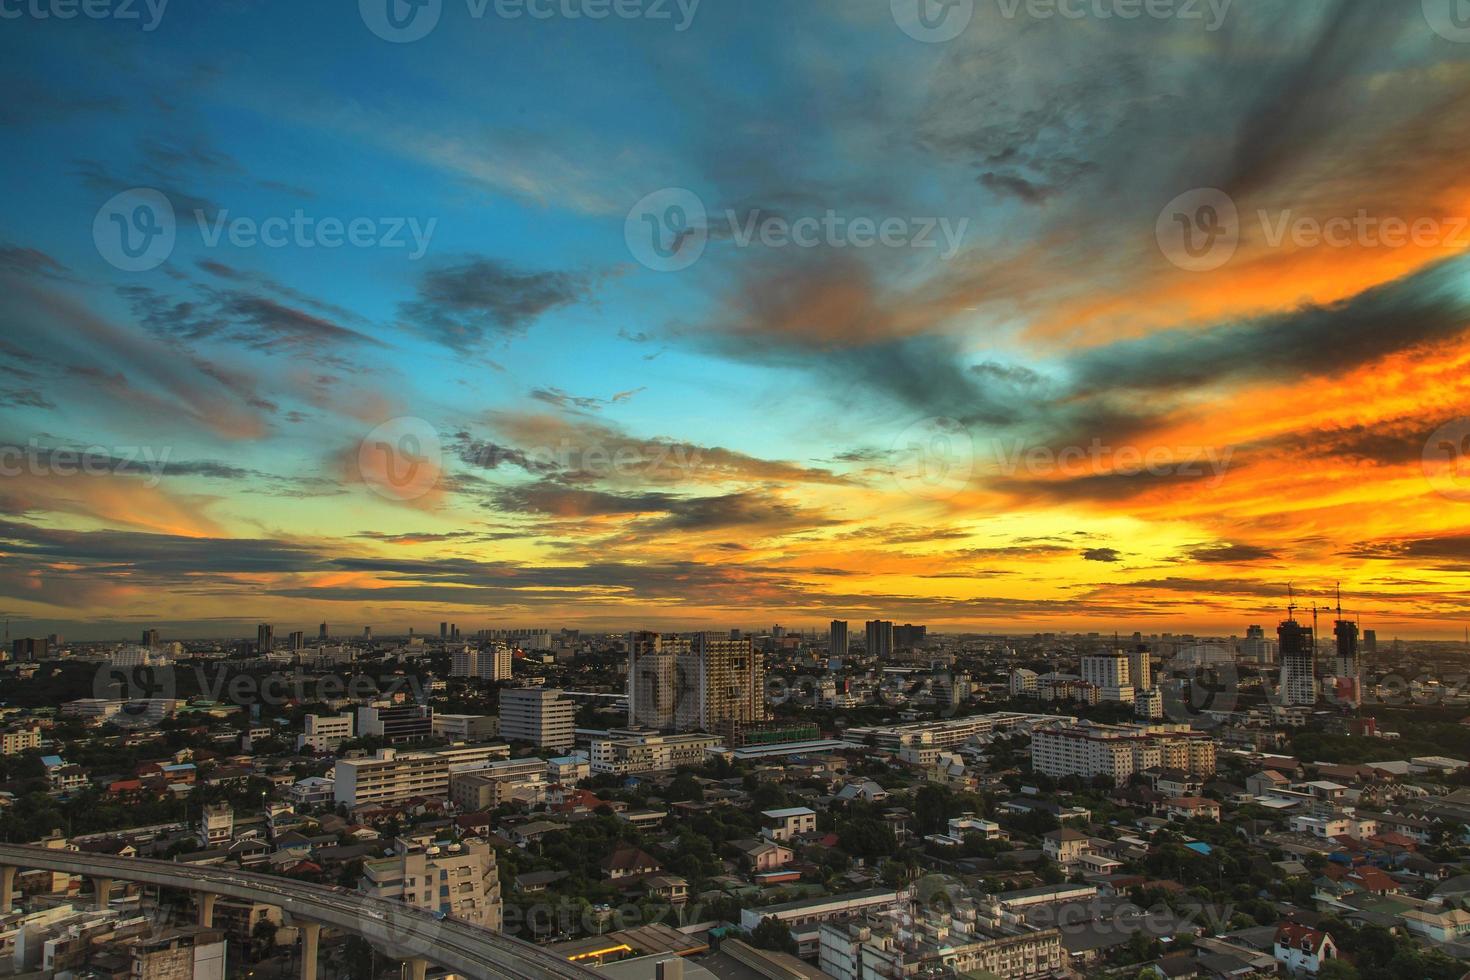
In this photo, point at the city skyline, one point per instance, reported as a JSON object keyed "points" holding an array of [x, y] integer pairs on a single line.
{"points": [[1054, 324]]}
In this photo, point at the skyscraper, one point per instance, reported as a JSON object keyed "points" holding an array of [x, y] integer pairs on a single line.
{"points": [[652, 674], [879, 638], [909, 637], [443, 631], [265, 639], [1370, 641], [837, 640], [297, 641], [1346, 669], [1256, 648], [1140, 667], [719, 685], [1109, 672], [150, 638], [321, 633], [1298, 661], [539, 716]]}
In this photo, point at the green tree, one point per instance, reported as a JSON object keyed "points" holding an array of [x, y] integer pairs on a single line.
{"points": [[774, 934]]}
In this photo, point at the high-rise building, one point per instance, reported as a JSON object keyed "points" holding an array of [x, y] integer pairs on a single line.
{"points": [[719, 685], [1347, 668], [443, 631], [491, 663], [1141, 667], [652, 679], [879, 638], [1256, 648], [539, 716], [367, 633], [1370, 641], [29, 648], [1298, 663], [909, 637], [265, 639], [151, 638], [837, 639], [297, 641], [1109, 672], [321, 633]]}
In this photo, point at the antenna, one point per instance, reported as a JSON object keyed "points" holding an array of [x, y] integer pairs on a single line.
{"points": [[1290, 601], [1339, 601]]}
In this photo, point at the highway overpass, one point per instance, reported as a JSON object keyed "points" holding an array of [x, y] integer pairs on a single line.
{"points": [[409, 934]]}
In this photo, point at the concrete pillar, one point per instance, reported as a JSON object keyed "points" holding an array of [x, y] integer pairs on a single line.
{"points": [[7, 889], [311, 934], [104, 891], [206, 908], [418, 967], [670, 969]]}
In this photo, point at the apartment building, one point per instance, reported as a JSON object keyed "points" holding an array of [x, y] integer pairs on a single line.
{"points": [[786, 824], [628, 753], [392, 776], [652, 675], [1111, 673], [459, 881], [491, 663], [20, 739], [884, 945], [538, 716], [323, 733], [720, 685], [1091, 750]]}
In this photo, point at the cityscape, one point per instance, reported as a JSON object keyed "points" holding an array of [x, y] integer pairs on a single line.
{"points": [[735, 490]]}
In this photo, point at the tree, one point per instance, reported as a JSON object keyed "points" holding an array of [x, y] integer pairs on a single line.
{"points": [[773, 934], [1337, 970]]}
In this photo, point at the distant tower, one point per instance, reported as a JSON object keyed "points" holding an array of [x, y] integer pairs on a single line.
{"points": [[837, 641], [1349, 688], [1298, 659], [321, 633], [265, 639]]}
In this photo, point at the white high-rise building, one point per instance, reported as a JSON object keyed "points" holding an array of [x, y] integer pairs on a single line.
{"points": [[539, 716], [325, 732], [1110, 674], [1090, 750], [1024, 683], [492, 663], [720, 685]]}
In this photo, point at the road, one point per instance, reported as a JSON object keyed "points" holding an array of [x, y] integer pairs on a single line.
{"points": [[395, 928]]}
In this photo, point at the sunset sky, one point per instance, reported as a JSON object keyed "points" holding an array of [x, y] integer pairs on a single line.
{"points": [[1133, 389]]}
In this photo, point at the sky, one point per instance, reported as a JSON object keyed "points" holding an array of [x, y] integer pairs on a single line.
{"points": [[1000, 315]]}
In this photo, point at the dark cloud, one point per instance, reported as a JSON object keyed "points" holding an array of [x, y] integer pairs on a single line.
{"points": [[462, 306], [1230, 554], [1102, 554], [30, 262]]}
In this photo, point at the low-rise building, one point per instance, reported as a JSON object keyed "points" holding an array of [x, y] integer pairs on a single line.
{"points": [[626, 752], [457, 880]]}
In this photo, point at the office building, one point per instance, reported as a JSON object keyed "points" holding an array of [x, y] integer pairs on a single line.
{"points": [[1370, 641], [1347, 667], [879, 638], [391, 776], [837, 640], [652, 679], [466, 728], [538, 716], [459, 881], [151, 638], [296, 642], [1297, 647], [265, 639], [719, 685], [501, 782], [321, 633], [395, 723], [323, 733]]}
